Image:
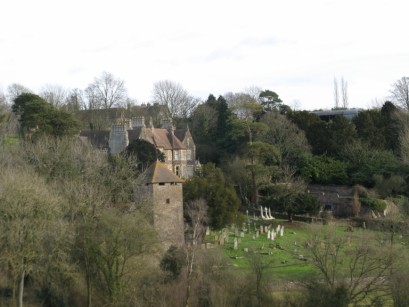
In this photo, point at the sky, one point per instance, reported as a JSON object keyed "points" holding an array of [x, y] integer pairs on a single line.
{"points": [[295, 48]]}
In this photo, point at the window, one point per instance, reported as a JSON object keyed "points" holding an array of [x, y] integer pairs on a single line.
{"points": [[176, 154], [188, 154], [161, 183], [168, 200], [177, 170]]}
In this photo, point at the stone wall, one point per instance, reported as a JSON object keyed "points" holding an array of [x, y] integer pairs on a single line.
{"points": [[167, 212]]}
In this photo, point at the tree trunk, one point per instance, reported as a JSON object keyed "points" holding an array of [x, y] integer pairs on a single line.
{"points": [[290, 217], [21, 290]]}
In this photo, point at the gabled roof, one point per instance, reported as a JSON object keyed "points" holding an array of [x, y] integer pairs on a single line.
{"points": [[159, 137], [159, 173]]}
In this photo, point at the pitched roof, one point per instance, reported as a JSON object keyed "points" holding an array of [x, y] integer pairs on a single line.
{"points": [[159, 173], [159, 137]]}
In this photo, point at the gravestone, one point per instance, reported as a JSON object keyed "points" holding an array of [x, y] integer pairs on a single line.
{"points": [[235, 244]]}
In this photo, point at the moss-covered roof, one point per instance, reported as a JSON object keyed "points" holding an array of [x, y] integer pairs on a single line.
{"points": [[159, 173]]}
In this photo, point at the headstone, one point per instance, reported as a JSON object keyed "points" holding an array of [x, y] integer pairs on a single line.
{"points": [[278, 229], [265, 229], [254, 237], [364, 225], [235, 244], [239, 240], [246, 249], [261, 228], [269, 212], [273, 235], [242, 234], [261, 212], [207, 231], [282, 231], [268, 234], [257, 234]]}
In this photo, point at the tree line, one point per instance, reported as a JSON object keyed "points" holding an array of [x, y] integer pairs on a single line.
{"points": [[71, 232]]}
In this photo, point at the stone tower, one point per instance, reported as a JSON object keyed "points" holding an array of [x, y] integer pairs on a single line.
{"points": [[118, 138], [162, 189]]}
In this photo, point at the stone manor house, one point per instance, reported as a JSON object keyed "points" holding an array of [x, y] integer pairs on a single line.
{"points": [[161, 184], [177, 145]]}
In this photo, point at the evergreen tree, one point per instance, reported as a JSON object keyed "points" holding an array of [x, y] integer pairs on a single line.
{"points": [[220, 196]]}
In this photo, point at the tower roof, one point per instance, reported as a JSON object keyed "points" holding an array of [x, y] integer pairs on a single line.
{"points": [[159, 173]]}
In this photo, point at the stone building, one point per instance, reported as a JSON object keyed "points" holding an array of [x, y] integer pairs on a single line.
{"points": [[177, 145], [162, 191]]}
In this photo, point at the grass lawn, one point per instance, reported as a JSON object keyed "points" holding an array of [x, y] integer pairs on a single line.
{"points": [[281, 256]]}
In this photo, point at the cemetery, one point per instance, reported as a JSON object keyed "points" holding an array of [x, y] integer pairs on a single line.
{"points": [[283, 245]]}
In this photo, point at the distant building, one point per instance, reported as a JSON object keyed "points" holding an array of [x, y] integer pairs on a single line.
{"points": [[162, 191], [329, 115], [177, 145]]}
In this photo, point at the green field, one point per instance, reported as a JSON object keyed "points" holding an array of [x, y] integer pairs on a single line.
{"points": [[282, 256]]}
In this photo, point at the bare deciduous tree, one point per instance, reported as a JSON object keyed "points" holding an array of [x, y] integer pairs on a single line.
{"points": [[106, 92], [14, 90], [336, 93], [236, 101], [172, 94], [358, 267], [344, 93], [197, 214], [254, 92], [54, 94], [400, 92], [344, 90], [27, 213], [285, 135], [75, 100]]}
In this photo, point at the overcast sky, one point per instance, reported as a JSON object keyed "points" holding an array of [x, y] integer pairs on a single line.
{"points": [[295, 47]]}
